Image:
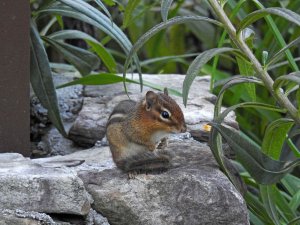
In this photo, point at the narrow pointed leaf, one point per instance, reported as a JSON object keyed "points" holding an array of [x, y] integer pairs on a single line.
{"points": [[277, 56], [256, 15], [176, 20], [110, 78], [83, 11], [283, 80], [106, 57], [295, 201], [84, 61], [262, 168], [102, 6], [196, 65], [132, 4], [99, 49], [71, 34], [165, 7], [274, 29], [41, 79], [267, 193]]}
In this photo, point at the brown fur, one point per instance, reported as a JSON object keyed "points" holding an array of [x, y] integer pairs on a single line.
{"points": [[130, 132]]}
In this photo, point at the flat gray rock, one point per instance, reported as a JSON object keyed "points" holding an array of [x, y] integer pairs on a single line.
{"points": [[193, 191], [20, 217], [99, 102], [31, 186]]}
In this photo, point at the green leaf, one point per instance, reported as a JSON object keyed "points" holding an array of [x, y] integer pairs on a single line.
{"points": [[41, 79], [283, 206], [267, 194], [274, 29], [257, 208], [286, 47], [262, 168], [165, 7], [106, 57], [291, 183], [232, 81], [258, 14], [83, 60], [150, 33], [275, 136], [109, 78], [132, 4], [196, 65], [71, 34], [81, 10], [246, 69], [295, 202], [286, 79], [256, 105], [102, 6], [221, 41], [293, 147]]}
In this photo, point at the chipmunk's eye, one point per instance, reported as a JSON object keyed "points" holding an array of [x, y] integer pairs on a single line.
{"points": [[165, 114]]}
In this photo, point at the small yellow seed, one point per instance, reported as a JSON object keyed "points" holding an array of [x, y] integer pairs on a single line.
{"points": [[207, 127]]}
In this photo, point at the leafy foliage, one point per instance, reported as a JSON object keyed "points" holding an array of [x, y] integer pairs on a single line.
{"points": [[251, 51]]}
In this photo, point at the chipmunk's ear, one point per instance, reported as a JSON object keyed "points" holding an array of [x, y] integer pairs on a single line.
{"points": [[166, 91], [151, 98]]}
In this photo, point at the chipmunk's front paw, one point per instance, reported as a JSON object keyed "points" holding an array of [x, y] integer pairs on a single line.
{"points": [[162, 144], [132, 174]]}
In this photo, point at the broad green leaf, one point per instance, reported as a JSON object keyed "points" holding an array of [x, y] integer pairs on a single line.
{"points": [[109, 78], [275, 136], [150, 33], [258, 14], [106, 57], [246, 69], [132, 4], [282, 51], [196, 65], [41, 79], [267, 193], [165, 7], [286, 79], [262, 168], [83, 60]]}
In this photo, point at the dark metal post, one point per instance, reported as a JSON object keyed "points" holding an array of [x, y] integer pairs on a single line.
{"points": [[14, 76]]}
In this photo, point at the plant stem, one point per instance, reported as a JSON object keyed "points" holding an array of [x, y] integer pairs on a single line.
{"points": [[263, 74]]}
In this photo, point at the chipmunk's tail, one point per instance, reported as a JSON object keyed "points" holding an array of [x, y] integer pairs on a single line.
{"points": [[145, 162]]}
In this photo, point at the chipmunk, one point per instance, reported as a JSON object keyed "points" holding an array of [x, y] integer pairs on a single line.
{"points": [[134, 130]]}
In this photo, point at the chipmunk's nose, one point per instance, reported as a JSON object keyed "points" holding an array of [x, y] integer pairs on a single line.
{"points": [[183, 128]]}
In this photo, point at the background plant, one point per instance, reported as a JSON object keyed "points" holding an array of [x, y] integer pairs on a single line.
{"points": [[251, 51]]}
